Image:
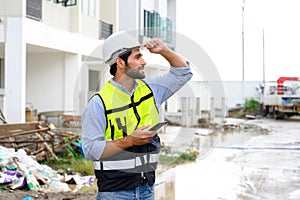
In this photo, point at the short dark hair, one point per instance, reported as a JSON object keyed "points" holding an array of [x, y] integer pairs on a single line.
{"points": [[124, 56], [113, 69]]}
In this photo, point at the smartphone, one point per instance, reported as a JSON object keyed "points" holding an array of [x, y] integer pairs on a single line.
{"points": [[158, 126]]}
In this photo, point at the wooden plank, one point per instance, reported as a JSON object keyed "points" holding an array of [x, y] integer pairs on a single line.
{"points": [[23, 141], [13, 134], [48, 148], [12, 140], [63, 145], [9, 128]]}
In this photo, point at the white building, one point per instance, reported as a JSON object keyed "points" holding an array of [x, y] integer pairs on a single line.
{"points": [[50, 56], [49, 51]]}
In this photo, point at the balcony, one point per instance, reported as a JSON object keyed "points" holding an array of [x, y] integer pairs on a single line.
{"points": [[157, 27]]}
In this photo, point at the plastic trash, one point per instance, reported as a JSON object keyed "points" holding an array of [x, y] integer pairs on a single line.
{"points": [[58, 186], [27, 198], [32, 183], [18, 183], [79, 180]]}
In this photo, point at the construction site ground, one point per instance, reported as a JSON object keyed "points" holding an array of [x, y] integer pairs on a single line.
{"points": [[246, 160]]}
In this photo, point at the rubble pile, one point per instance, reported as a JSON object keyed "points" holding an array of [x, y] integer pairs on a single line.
{"points": [[20, 171], [37, 140], [23, 145]]}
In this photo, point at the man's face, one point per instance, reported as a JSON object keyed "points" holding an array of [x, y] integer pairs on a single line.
{"points": [[135, 65]]}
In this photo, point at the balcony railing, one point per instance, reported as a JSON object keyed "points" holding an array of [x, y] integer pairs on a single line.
{"points": [[66, 2], [34, 9], [156, 26], [105, 29]]}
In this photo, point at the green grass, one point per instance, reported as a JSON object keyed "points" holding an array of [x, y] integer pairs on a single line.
{"points": [[172, 161], [251, 104], [71, 166], [71, 163]]}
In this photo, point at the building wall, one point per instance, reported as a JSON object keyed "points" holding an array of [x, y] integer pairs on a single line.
{"points": [[109, 12], [90, 27], [12, 8], [235, 92], [128, 18], [172, 12], [45, 81], [56, 15], [1, 100], [90, 22], [72, 18]]}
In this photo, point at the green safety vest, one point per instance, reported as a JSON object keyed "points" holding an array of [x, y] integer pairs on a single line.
{"points": [[125, 113]]}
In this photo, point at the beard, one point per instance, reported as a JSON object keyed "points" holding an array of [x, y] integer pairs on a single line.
{"points": [[135, 73]]}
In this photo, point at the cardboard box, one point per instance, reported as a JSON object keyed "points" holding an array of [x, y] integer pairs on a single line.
{"points": [[30, 115]]}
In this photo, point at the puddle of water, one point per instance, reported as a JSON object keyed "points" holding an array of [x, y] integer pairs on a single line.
{"points": [[243, 164]]}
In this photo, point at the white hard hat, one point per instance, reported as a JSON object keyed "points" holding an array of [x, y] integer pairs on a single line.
{"points": [[116, 44]]}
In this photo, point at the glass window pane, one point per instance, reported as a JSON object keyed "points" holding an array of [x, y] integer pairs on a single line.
{"points": [[70, 3], [94, 77], [146, 25], [92, 8]]}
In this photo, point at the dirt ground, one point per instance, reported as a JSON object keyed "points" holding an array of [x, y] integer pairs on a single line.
{"points": [[20, 194], [244, 171]]}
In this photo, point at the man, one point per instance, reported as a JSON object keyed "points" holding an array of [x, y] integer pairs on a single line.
{"points": [[116, 120]]}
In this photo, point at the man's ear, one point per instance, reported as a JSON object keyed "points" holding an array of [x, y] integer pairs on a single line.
{"points": [[120, 62]]}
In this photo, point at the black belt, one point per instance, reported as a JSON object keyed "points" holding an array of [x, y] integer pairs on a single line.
{"points": [[143, 180]]}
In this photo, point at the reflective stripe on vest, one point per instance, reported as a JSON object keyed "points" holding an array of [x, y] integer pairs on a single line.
{"points": [[125, 164], [125, 113]]}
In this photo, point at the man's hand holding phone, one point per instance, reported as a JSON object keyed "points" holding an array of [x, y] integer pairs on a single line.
{"points": [[142, 134], [158, 126]]}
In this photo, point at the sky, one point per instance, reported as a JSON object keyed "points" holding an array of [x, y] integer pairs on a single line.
{"points": [[216, 25]]}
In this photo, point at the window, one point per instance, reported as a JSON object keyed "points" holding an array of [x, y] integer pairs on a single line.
{"points": [[89, 7], [2, 73], [34, 9], [106, 29], [70, 3], [94, 80], [66, 2], [157, 26]]}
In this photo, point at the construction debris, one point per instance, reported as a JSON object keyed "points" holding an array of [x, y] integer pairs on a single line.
{"points": [[23, 145], [36, 140], [18, 171]]}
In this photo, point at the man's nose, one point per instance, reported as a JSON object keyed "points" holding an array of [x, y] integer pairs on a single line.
{"points": [[143, 62]]}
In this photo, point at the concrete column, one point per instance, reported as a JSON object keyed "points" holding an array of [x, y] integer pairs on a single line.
{"points": [[161, 117], [72, 68], [212, 110], [15, 71], [224, 107], [185, 111], [76, 18], [162, 112], [81, 89], [198, 108], [192, 109]]}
